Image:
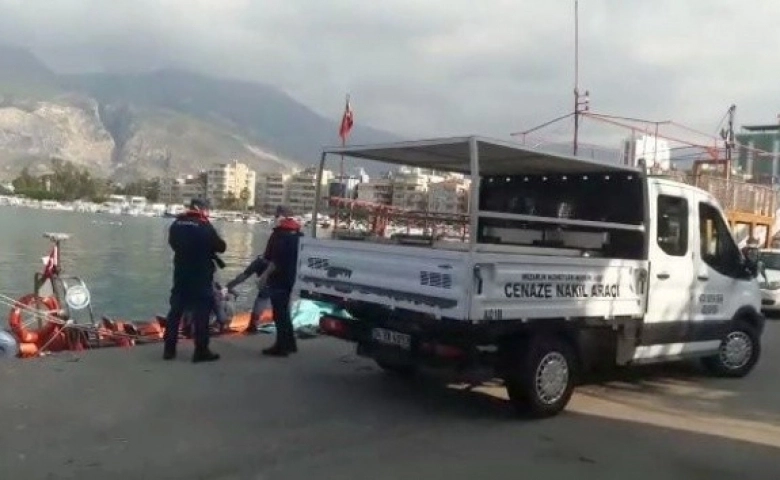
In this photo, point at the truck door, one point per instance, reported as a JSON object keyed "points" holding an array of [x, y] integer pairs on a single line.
{"points": [[671, 265], [719, 272]]}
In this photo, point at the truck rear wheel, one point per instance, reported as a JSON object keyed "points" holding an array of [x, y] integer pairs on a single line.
{"points": [[540, 381], [740, 349]]}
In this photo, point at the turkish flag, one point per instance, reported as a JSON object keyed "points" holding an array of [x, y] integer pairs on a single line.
{"points": [[346, 122], [50, 263]]}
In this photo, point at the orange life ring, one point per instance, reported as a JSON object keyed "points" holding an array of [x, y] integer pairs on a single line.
{"points": [[28, 303]]}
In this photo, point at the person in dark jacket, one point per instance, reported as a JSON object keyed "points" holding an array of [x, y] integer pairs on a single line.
{"points": [[257, 267], [195, 244], [282, 256]]}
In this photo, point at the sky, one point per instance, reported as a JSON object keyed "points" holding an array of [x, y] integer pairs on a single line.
{"points": [[422, 68]]}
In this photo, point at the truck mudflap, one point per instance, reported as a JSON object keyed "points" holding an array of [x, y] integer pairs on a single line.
{"points": [[423, 280]]}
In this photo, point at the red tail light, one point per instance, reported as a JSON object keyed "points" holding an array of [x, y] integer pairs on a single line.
{"points": [[333, 326], [443, 351], [448, 352]]}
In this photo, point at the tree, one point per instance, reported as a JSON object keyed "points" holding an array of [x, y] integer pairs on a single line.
{"points": [[66, 181], [26, 181], [230, 202], [150, 189]]}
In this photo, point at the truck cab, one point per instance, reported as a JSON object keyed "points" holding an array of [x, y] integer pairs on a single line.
{"points": [[699, 281], [568, 265]]}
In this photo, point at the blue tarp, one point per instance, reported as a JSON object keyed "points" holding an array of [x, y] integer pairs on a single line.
{"points": [[306, 317]]}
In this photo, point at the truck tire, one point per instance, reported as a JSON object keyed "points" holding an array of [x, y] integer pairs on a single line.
{"points": [[541, 380], [739, 351], [399, 369]]}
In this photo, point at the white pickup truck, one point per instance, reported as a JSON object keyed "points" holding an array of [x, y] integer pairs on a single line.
{"points": [[569, 265]]}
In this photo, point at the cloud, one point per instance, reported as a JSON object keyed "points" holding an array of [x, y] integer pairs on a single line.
{"points": [[436, 67]]}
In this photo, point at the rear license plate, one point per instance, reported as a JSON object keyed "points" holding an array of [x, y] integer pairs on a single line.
{"points": [[389, 337]]}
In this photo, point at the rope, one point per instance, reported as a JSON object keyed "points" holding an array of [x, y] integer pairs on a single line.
{"points": [[37, 314], [45, 315]]}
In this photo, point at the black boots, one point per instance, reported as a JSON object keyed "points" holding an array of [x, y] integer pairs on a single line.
{"points": [[277, 351], [204, 356]]}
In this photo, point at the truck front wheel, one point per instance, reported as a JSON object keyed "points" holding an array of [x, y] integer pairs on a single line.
{"points": [[739, 352], [541, 377]]}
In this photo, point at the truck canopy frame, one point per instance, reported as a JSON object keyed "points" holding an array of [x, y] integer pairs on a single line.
{"points": [[478, 157], [494, 157]]}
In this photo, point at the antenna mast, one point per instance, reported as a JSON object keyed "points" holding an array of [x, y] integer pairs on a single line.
{"points": [[727, 135], [579, 105], [581, 102]]}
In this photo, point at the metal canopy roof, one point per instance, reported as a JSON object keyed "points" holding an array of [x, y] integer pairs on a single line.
{"points": [[496, 157]]}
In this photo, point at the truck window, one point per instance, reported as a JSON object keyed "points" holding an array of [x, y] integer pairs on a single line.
{"points": [[718, 249], [606, 197], [598, 197], [672, 225]]}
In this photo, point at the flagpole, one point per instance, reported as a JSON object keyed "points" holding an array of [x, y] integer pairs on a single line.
{"points": [[343, 144], [341, 182], [342, 193]]}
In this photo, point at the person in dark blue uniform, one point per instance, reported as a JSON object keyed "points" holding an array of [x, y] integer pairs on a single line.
{"points": [[257, 267], [195, 244], [282, 256]]}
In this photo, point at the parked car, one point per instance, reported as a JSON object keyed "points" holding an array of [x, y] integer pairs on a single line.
{"points": [[769, 281]]}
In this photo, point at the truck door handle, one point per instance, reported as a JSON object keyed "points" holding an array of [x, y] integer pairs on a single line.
{"points": [[663, 276], [703, 278]]}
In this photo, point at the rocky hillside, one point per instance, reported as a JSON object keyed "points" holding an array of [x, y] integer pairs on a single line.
{"points": [[130, 126]]}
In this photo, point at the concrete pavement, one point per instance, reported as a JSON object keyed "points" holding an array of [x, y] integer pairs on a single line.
{"points": [[125, 414]]}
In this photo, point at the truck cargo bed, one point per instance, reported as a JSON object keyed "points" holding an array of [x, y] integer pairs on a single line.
{"points": [[426, 280], [472, 286]]}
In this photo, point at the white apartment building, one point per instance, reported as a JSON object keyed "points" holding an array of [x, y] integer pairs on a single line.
{"points": [[179, 191], [654, 151], [410, 187], [234, 180], [302, 189], [376, 191], [272, 191], [449, 196]]}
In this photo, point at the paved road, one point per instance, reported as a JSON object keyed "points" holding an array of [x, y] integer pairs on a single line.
{"points": [[124, 414]]}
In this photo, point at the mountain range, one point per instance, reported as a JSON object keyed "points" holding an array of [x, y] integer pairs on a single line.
{"points": [[164, 122]]}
